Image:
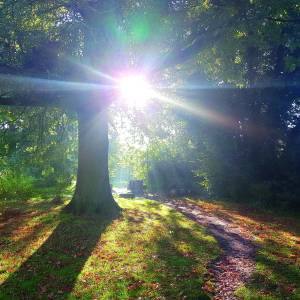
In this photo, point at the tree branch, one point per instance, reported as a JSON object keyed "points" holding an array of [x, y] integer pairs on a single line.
{"points": [[31, 98], [203, 38], [179, 56]]}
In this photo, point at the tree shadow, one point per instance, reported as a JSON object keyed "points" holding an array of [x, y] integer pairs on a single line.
{"points": [[284, 220], [51, 271], [290, 273], [232, 211], [28, 211], [182, 266], [18, 233], [173, 270], [279, 279]]}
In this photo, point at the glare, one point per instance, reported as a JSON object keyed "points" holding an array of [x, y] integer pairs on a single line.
{"points": [[135, 90]]}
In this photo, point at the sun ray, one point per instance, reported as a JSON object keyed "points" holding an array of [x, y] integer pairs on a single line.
{"points": [[95, 72], [41, 84], [195, 110]]}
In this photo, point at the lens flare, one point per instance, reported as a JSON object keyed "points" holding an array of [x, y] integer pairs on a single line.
{"points": [[135, 90]]}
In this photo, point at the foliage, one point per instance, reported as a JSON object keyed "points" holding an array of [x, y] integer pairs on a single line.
{"points": [[38, 149], [234, 64], [14, 186], [242, 144], [246, 142], [154, 147]]}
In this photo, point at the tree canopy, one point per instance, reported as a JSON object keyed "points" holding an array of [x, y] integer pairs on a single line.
{"points": [[226, 75]]}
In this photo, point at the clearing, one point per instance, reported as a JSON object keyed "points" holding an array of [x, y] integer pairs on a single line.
{"points": [[202, 250]]}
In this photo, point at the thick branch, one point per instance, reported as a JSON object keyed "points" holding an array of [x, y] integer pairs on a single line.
{"points": [[32, 91], [32, 98]]}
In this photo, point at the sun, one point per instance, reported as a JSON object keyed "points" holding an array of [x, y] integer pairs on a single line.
{"points": [[135, 90]]}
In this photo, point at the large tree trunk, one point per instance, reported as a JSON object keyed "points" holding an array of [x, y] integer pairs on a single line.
{"points": [[93, 192]]}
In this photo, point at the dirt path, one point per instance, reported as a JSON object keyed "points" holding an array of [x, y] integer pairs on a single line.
{"points": [[236, 264]]}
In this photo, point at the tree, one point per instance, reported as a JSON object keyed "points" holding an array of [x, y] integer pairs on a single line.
{"points": [[60, 41], [42, 58], [38, 39], [38, 149]]}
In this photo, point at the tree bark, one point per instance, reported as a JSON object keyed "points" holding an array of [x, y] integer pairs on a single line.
{"points": [[93, 192]]}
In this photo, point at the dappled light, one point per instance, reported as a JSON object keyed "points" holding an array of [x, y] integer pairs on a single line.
{"points": [[21, 236], [139, 254], [146, 251], [149, 150], [51, 258]]}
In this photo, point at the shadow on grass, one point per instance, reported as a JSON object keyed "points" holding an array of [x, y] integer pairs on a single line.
{"points": [[187, 282], [51, 272], [284, 220], [28, 212], [280, 277], [181, 257]]}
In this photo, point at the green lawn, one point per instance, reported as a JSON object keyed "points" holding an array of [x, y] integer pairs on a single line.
{"points": [[149, 252]]}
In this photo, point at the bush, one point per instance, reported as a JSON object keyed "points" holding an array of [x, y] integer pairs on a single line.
{"points": [[15, 186], [277, 194]]}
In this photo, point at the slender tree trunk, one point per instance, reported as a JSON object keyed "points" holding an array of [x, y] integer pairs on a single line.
{"points": [[93, 192]]}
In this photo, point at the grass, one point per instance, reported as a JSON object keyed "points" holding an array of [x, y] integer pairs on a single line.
{"points": [[149, 252], [277, 274]]}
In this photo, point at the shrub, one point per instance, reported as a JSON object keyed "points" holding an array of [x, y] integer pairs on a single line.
{"points": [[15, 186]]}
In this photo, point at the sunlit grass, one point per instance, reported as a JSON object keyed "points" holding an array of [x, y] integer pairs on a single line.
{"points": [[277, 274], [150, 251], [22, 235]]}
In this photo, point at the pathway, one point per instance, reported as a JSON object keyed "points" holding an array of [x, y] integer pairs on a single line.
{"points": [[237, 264]]}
